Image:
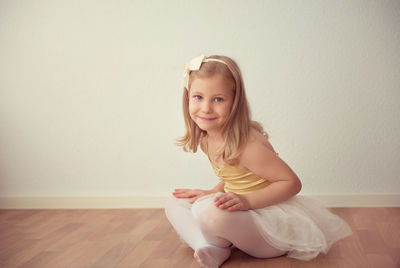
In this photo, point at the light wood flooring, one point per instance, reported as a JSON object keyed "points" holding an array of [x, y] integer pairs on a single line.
{"points": [[144, 238]]}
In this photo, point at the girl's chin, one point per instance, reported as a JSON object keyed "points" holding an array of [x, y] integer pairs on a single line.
{"points": [[206, 128], [202, 126]]}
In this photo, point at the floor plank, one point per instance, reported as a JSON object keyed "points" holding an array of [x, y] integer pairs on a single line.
{"points": [[125, 238]]}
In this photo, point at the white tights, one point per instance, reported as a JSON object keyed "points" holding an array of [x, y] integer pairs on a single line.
{"points": [[210, 231]]}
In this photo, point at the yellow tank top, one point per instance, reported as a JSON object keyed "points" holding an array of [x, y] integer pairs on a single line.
{"points": [[237, 180]]}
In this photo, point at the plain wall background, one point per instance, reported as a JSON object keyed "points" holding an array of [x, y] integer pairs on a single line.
{"points": [[90, 92]]}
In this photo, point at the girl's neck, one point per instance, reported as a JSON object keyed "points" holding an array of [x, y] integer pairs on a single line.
{"points": [[215, 136]]}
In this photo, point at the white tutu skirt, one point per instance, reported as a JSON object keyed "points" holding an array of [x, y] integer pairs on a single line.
{"points": [[301, 226]]}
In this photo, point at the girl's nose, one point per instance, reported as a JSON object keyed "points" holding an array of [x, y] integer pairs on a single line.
{"points": [[206, 107]]}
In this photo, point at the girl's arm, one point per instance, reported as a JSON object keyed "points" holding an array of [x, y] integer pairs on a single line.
{"points": [[266, 164], [273, 194], [262, 161]]}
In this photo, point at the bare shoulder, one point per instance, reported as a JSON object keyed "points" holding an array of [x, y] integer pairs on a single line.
{"points": [[257, 147], [260, 141], [260, 157]]}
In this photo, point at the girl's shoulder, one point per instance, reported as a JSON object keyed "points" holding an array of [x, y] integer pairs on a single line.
{"points": [[259, 139], [257, 146]]}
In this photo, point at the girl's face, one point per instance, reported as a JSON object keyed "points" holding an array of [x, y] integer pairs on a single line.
{"points": [[210, 102]]}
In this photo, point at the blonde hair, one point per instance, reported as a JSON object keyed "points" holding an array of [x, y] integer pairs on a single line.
{"points": [[236, 130]]}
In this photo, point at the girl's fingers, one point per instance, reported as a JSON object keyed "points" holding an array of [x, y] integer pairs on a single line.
{"points": [[228, 203], [191, 201], [184, 195], [220, 199], [187, 193], [235, 207], [223, 198], [179, 191], [179, 194]]}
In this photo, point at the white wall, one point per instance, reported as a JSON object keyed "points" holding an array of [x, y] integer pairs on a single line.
{"points": [[90, 92]]}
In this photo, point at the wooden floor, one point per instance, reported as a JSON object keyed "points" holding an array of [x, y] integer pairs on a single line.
{"points": [[144, 238]]}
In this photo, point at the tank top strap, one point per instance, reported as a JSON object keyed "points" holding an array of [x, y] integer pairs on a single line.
{"points": [[208, 155], [207, 149]]}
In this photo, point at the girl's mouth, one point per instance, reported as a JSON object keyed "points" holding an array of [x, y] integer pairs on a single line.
{"points": [[207, 118]]}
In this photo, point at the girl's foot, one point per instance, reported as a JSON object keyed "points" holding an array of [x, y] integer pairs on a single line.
{"points": [[211, 257]]}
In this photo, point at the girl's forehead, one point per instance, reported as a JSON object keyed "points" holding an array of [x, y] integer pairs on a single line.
{"points": [[216, 83]]}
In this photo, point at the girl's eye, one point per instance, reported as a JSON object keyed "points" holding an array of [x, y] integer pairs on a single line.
{"points": [[218, 99], [196, 97]]}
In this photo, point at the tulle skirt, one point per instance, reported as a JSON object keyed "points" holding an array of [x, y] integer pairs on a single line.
{"points": [[302, 226]]}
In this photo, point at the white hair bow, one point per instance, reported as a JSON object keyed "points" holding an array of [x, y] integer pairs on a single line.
{"points": [[193, 65]]}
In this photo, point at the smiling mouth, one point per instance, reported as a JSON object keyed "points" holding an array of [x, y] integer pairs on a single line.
{"points": [[207, 118]]}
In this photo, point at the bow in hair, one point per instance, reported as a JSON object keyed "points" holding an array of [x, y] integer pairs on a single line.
{"points": [[193, 65]]}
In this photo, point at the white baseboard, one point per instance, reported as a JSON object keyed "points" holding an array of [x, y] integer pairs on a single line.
{"points": [[354, 200], [89, 202]]}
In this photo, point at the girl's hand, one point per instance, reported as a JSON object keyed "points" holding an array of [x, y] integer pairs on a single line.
{"points": [[231, 202], [189, 193]]}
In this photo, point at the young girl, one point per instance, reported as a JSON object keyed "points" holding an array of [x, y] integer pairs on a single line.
{"points": [[254, 207]]}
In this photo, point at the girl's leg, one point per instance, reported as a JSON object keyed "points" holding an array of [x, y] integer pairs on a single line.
{"points": [[179, 214], [221, 226]]}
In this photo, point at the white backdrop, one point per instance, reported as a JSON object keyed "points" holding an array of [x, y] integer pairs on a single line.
{"points": [[90, 92]]}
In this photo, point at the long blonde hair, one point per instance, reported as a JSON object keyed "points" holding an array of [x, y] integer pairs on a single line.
{"points": [[236, 130]]}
